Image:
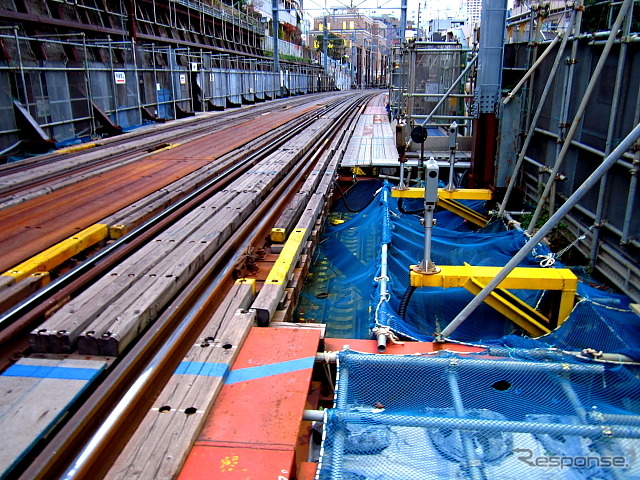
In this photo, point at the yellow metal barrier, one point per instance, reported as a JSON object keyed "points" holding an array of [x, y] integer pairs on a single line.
{"points": [[288, 257], [474, 278], [459, 194], [78, 148], [56, 255]]}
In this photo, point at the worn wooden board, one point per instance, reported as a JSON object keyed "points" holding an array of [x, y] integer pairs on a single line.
{"points": [[160, 445], [34, 396]]}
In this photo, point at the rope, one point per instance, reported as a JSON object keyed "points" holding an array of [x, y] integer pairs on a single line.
{"points": [[387, 332]]}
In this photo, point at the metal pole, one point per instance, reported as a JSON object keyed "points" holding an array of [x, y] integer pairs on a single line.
{"points": [[498, 426], [430, 200], [456, 398], [536, 116], [453, 133], [21, 66], [325, 46], [581, 109], [607, 163], [633, 187], [403, 21], [604, 183], [533, 67], [275, 25], [451, 89]]}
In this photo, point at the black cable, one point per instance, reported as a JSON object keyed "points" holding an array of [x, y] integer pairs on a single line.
{"points": [[344, 199], [404, 303], [408, 212]]}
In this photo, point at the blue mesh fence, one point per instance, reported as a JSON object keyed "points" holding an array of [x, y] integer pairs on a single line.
{"points": [[537, 412], [448, 416]]}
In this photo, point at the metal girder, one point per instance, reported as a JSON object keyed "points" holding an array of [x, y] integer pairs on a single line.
{"points": [[474, 278], [463, 211], [459, 194]]}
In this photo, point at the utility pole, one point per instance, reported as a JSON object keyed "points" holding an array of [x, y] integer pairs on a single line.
{"points": [[276, 59]]}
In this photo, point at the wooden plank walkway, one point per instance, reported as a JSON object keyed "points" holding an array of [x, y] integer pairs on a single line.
{"points": [[35, 394], [161, 443]]}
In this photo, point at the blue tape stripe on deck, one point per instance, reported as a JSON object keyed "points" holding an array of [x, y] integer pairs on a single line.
{"points": [[41, 371], [203, 369], [252, 373]]}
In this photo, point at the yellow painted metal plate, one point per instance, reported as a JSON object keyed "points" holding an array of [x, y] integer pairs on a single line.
{"points": [[56, 255], [459, 194], [288, 257]]}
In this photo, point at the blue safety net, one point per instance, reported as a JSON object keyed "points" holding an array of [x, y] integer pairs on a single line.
{"points": [[520, 407], [475, 416], [344, 286]]}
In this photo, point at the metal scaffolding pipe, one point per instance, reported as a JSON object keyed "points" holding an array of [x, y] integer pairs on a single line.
{"points": [[471, 63], [580, 112], [537, 63], [607, 163], [633, 187], [536, 116], [613, 115], [468, 365], [497, 426]]}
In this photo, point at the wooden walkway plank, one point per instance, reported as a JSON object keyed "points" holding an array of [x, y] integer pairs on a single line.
{"points": [[24, 417], [160, 445]]}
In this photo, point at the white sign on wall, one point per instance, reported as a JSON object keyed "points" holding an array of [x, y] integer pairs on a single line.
{"points": [[183, 79], [120, 78]]}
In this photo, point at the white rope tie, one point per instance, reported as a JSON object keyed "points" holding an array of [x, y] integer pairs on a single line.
{"points": [[387, 332]]}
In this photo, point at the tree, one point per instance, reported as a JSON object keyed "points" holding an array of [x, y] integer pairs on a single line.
{"points": [[336, 47]]}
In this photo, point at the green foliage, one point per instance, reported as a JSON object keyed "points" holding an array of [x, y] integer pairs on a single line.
{"points": [[598, 15], [336, 47]]}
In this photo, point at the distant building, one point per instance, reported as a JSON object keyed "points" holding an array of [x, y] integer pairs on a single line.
{"points": [[358, 39], [438, 28]]}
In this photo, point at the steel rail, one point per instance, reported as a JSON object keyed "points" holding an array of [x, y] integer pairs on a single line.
{"points": [[27, 313], [174, 330], [192, 131]]}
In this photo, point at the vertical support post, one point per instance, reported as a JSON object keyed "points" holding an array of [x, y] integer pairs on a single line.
{"points": [[430, 200], [134, 59], [87, 80], [601, 205], [633, 187], [403, 21], [580, 112], [488, 90], [325, 46], [275, 25], [453, 145]]}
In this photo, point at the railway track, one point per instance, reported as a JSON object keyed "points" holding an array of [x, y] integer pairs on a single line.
{"points": [[246, 198]]}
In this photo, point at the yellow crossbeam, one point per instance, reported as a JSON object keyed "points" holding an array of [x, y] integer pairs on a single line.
{"points": [[527, 318], [279, 273], [459, 194], [463, 211], [526, 278], [59, 253]]}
